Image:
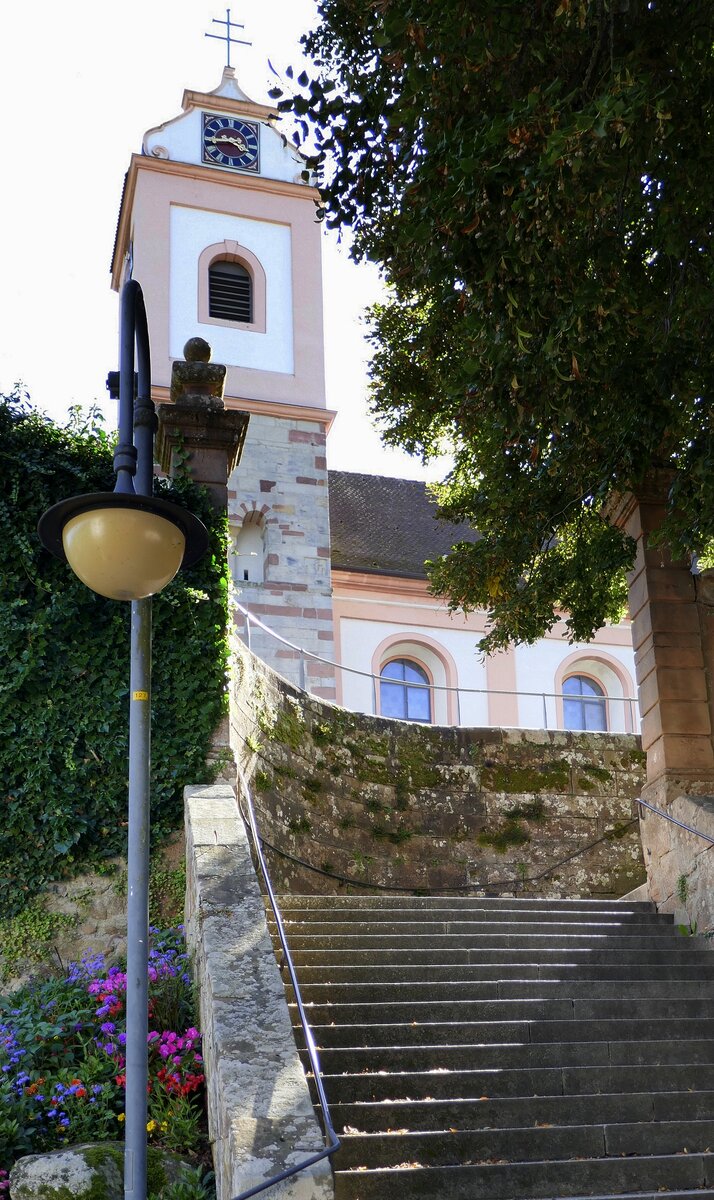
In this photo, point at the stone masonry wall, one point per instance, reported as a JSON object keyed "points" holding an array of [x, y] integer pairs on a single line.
{"points": [[383, 802], [680, 865], [282, 478]]}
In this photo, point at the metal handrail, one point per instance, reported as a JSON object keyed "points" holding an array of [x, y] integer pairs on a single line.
{"points": [[436, 687], [334, 1141], [674, 821]]}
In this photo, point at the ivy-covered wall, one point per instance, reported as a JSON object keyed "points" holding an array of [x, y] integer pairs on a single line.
{"points": [[64, 679], [379, 801]]}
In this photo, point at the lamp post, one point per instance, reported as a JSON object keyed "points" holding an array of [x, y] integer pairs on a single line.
{"points": [[127, 545]]}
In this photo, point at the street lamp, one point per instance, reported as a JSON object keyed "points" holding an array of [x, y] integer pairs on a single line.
{"points": [[127, 545]]}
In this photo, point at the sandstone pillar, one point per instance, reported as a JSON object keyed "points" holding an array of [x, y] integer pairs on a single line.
{"points": [[197, 434], [673, 635]]}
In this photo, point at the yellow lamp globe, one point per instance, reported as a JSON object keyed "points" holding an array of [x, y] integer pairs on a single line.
{"points": [[123, 553], [124, 547]]}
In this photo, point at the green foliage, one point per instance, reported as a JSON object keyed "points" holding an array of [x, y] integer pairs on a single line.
{"points": [[299, 825], [619, 830], [65, 653], [285, 725], [509, 833], [262, 781], [534, 810], [26, 938], [194, 1184], [167, 892], [396, 835], [535, 182], [546, 777]]}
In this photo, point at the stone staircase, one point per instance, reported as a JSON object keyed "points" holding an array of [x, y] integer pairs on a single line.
{"points": [[501, 1049]]}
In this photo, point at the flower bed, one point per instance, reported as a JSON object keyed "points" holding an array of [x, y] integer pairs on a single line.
{"points": [[62, 1060]]}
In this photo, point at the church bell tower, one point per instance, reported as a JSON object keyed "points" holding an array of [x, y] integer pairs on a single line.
{"points": [[217, 223]]}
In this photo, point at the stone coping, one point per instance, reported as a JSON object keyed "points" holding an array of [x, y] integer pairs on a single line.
{"points": [[261, 1119]]}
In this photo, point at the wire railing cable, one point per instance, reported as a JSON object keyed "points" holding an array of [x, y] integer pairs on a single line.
{"points": [[330, 1135], [629, 703], [674, 821], [482, 885]]}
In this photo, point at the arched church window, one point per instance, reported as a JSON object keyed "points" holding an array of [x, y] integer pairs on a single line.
{"points": [[584, 704], [230, 292], [250, 551], [398, 695]]}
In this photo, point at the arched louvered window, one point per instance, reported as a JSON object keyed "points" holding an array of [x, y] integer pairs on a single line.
{"points": [[230, 292]]}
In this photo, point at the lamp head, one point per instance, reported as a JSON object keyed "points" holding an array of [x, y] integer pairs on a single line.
{"points": [[123, 546]]}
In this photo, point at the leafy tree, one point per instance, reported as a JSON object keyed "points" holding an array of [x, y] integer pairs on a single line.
{"points": [[535, 180], [64, 685]]}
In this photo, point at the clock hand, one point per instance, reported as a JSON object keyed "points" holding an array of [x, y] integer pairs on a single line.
{"points": [[231, 141]]}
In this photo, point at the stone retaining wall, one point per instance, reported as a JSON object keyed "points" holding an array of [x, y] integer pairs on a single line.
{"points": [[383, 802], [86, 913]]}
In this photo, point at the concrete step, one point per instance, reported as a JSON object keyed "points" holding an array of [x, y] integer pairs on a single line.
{"points": [[475, 1032], [663, 1194], [460, 991], [536, 1180], [463, 1010], [532, 916], [387, 900], [407, 929], [505, 1112], [562, 973], [676, 1056], [523, 1144], [579, 939], [387, 1086], [506, 1049], [573, 956]]}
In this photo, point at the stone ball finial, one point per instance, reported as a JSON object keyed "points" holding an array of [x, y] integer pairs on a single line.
{"points": [[197, 349], [195, 380]]}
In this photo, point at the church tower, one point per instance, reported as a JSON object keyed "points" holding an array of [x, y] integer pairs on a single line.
{"points": [[217, 223]]}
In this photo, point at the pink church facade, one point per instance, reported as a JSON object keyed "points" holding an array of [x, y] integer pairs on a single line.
{"points": [[217, 222]]}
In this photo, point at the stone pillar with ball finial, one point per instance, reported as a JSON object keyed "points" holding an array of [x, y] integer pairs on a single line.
{"points": [[196, 433]]}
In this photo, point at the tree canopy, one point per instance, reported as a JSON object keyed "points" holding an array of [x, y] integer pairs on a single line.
{"points": [[535, 180]]}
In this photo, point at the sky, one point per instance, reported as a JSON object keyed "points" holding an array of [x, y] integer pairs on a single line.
{"points": [[80, 83]]}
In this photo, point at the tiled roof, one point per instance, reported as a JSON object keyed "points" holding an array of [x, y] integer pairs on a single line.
{"points": [[386, 525]]}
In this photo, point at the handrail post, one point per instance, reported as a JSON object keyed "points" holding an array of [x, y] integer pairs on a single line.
{"points": [[545, 711], [302, 672]]}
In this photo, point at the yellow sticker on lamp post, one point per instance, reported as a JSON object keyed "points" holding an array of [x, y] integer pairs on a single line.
{"points": [[140, 695]]}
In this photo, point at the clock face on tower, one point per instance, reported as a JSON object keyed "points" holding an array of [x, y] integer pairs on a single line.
{"points": [[231, 142]]}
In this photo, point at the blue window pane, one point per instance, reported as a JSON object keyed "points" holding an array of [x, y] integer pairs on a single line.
{"points": [[398, 699], [392, 700], [418, 704], [584, 705]]}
